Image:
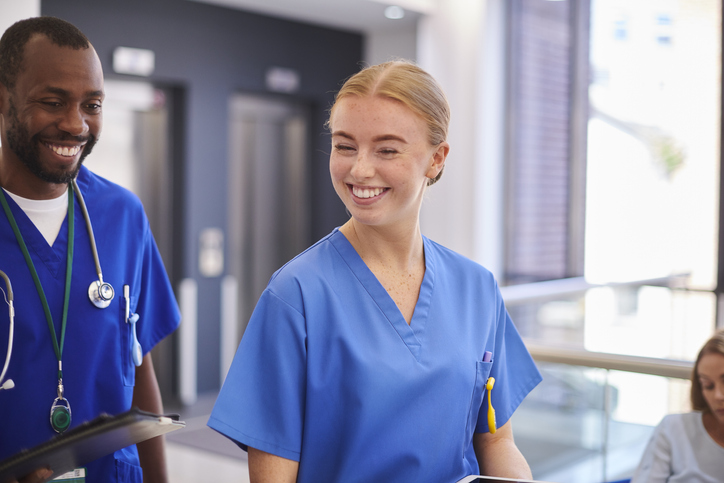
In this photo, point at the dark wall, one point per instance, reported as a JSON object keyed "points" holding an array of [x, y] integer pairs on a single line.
{"points": [[209, 52]]}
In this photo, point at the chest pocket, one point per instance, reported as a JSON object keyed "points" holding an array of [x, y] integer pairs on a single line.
{"points": [[482, 371]]}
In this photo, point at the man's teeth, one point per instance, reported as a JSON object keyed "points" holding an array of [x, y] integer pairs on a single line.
{"points": [[64, 150], [366, 192]]}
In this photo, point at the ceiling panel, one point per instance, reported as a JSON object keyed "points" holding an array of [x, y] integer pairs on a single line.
{"points": [[358, 15]]}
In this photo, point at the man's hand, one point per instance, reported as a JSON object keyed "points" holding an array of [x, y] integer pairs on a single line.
{"points": [[38, 476]]}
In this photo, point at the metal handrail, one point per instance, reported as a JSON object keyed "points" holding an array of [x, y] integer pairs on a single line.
{"points": [[643, 365], [551, 289]]}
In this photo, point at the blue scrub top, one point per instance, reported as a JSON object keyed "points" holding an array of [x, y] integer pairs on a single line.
{"points": [[98, 370], [330, 374]]}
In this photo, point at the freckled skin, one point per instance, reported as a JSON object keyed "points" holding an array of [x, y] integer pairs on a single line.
{"points": [[380, 144]]}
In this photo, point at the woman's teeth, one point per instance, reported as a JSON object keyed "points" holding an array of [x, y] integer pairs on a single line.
{"points": [[366, 192]]}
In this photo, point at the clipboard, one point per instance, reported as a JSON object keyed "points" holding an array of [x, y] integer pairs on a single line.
{"points": [[494, 479], [90, 440]]}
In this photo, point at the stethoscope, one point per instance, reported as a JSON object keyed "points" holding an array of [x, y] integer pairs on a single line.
{"points": [[100, 293]]}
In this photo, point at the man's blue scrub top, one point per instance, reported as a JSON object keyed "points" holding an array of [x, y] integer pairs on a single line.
{"points": [[330, 374], [98, 371]]}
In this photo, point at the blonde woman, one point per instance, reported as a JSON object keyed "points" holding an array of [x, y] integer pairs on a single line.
{"points": [[368, 355]]}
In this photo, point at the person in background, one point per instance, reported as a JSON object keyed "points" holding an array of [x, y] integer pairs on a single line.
{"points": [[73, 358], [374, 354], [690, 447]]}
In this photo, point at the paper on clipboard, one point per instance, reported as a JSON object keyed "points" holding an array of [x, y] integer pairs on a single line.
{"points": [[89, 441]]}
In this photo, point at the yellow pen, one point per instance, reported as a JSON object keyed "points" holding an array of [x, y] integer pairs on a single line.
{"points": [[491, 411]]}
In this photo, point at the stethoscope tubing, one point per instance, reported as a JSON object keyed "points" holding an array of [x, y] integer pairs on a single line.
{"points": [[91, 236]]}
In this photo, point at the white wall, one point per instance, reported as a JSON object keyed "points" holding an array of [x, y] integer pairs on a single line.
{"points": [[389, 45], [13, 10], [461, 44]]}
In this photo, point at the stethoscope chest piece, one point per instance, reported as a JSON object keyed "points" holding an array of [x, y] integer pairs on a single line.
{"points": [[100, 293]]}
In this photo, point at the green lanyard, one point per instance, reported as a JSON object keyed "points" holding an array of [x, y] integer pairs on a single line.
{"points": [[59, 422]]}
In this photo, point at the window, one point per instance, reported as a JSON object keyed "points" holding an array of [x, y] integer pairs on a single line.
{"points": [[613, 166]]}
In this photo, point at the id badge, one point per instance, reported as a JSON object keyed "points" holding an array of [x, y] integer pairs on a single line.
{"points": [[74, 476]]}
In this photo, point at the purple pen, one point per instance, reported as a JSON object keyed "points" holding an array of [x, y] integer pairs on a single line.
{"points": [[487, 356]]}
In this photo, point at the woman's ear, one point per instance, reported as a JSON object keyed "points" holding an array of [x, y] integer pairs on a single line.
{"points": [[438, 159]]}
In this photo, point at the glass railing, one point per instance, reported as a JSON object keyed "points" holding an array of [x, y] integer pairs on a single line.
{"points": [[591, 417], [615, 359]]}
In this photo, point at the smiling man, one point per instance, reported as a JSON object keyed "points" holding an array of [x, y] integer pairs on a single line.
{"points": [[75, 352]]}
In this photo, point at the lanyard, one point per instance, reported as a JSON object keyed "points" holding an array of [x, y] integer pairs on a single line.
{"points": [[59, 422]]}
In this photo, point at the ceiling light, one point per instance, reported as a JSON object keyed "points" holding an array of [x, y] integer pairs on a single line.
{"points": [[394, 12]]}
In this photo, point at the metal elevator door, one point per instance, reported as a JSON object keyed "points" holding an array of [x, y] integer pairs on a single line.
{"points": [[134, 152], [268, 196]]}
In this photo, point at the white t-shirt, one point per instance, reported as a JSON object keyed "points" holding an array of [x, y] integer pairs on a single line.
{"points": [[46, 215], [681, 451]]}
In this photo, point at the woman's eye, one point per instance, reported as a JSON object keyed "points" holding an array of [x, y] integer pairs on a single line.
{"points": [[343, 147], [388, 151]]}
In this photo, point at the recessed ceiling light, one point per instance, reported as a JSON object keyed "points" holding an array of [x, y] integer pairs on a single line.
{"points": [[394, 12]]}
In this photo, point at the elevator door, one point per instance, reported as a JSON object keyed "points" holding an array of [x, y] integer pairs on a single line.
{"points": [[268, 216], [133, 151]]}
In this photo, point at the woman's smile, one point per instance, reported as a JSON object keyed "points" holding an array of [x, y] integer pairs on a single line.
{"points": [[381, 160], [367, 192]]}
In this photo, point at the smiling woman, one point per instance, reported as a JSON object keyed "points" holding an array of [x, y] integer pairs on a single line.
{"points": [[367, 356]]}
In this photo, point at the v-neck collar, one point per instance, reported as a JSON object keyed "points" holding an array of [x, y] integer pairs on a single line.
{"points": [[53, 257], [411, 334]]}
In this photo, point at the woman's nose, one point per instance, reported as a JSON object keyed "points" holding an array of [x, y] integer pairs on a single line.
{"points": [[362, 168]]}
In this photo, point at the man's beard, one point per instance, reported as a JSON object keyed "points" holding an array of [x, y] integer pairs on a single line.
{"points": [[27, 149]]}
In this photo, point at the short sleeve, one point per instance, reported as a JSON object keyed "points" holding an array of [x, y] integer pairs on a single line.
{"points": [[513, 368], [261, 403], [157, 308]]}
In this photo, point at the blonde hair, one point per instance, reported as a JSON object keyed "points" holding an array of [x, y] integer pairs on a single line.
{"points": [[405, 82], [715, 345]]}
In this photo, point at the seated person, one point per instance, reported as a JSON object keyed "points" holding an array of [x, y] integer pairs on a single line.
{"points": [[690, 447]]}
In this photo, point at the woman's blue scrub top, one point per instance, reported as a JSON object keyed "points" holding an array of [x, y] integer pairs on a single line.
{"points": [[330, 374], [98, 371]]}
